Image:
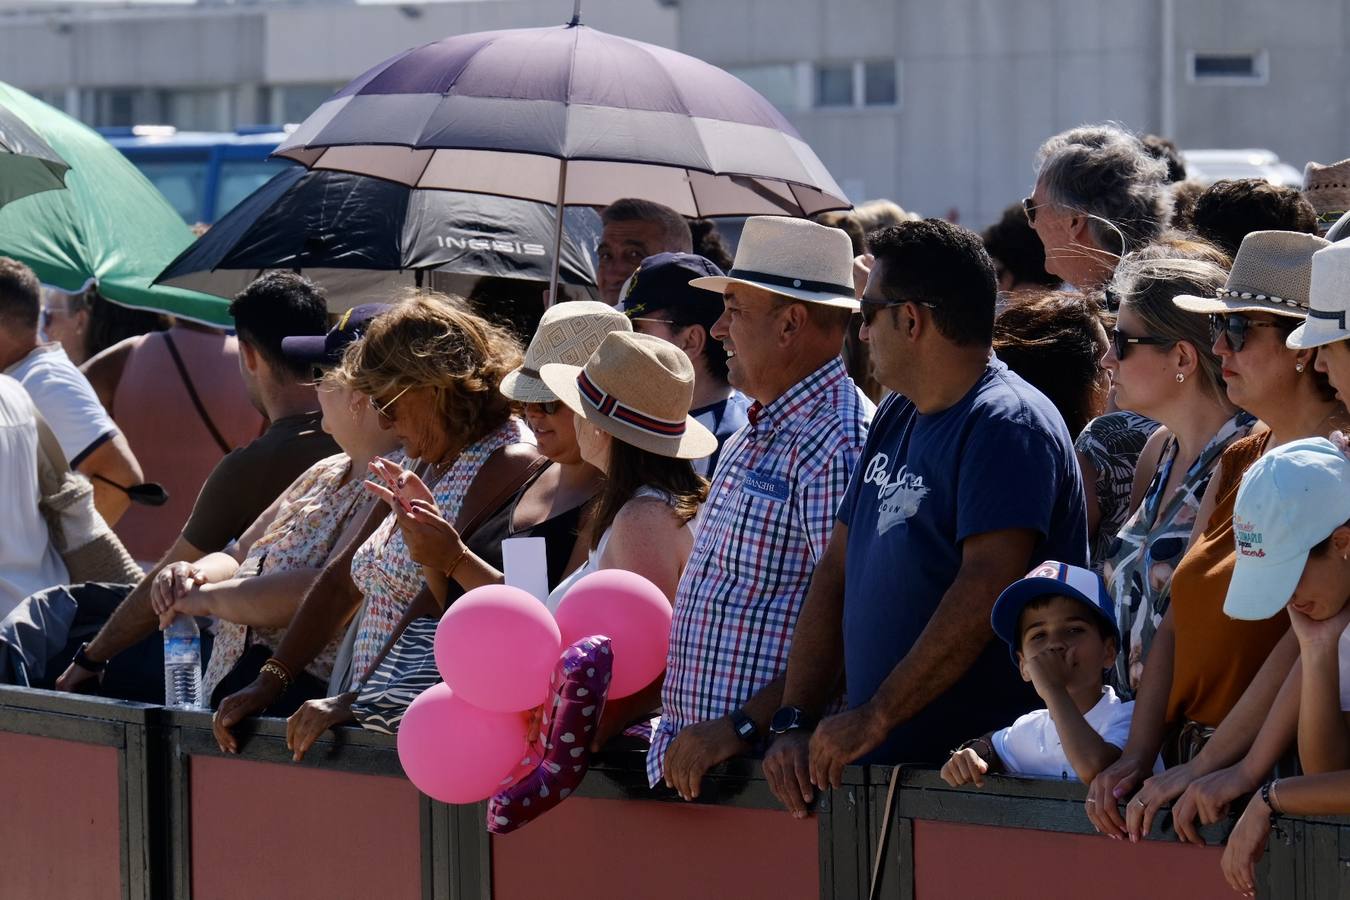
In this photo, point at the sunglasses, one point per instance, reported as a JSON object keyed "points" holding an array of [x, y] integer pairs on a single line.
{"points": [[386, 410], [1121, 342], [1234, 327], [548, 409], [870, 308]]}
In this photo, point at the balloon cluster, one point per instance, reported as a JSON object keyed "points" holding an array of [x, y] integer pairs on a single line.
{"points": [[498, 649]]}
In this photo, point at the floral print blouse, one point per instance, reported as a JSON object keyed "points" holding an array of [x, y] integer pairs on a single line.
{"points": [[382, 569], [1112, 443], [1139, 569], [314, 512]]}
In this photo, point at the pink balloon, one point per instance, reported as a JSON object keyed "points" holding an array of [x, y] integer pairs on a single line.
{"points": [[496, 647], [629, 610], [454, 751]]}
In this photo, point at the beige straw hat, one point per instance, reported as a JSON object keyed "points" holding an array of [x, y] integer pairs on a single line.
{"points": [[793, 258], [1329, 317], [568, 334], [1271, 273], [1327, 188], [638, 388]]}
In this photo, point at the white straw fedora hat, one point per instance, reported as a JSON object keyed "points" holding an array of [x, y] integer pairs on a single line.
{"points": [[1271, 273], [638, 388], [793, 258], [1329, 317], [568, 334]]}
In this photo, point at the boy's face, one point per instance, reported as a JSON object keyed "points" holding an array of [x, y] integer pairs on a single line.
{"points": [[1320, 593], [1065, 625]]}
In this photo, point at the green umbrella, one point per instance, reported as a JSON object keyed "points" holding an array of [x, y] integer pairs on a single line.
{"points": [[28, 164], [110, 227]]}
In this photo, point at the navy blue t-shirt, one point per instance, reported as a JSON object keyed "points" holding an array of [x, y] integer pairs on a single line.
{"points": [[1000, 458]]}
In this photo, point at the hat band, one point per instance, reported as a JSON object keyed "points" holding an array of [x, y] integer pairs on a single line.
{"points": [[1264, 298], [530, 373], [1338, 317], [805, 284], [608, 405]]}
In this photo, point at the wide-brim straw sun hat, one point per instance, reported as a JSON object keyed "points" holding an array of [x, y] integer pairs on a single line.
{"points": [[794, 258], [638, 388], [568, 334], [1271, 273], [1329, 315]]}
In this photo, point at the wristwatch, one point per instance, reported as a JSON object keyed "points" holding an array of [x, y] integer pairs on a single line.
{"points": [[84, 662], [790, 718], [746, 729]]}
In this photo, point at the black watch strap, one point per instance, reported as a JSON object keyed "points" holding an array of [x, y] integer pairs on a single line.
{"points": [[746, 729], [84, 662]]}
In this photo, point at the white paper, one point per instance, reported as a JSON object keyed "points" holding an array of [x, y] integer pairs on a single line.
{"points": [[526, 565]]}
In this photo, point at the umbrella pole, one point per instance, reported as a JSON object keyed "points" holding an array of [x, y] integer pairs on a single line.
{"points": [[557, 236]]}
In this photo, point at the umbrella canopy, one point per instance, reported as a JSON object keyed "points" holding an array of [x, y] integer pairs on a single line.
{"points": [[571, 116], [28, 164], [110, 228], [342, 229]]}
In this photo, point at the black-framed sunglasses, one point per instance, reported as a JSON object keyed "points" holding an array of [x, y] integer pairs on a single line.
{"points": [[1234, 327], [870, 308], [1029, 207], [1121, 342], [549, 408]]}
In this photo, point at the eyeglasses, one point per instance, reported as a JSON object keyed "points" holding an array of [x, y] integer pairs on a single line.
{"points": [[870, 308], [386, 410], [548, 409], [1120, 342], [1234, 326]]}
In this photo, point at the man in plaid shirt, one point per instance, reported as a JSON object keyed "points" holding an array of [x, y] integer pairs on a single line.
{"points": [[773, 499]]}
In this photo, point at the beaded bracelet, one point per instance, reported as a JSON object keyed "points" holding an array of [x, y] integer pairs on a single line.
{"points": [[1268, 798]]}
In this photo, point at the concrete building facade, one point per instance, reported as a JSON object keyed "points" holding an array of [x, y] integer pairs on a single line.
{"points": [[938, 104]]}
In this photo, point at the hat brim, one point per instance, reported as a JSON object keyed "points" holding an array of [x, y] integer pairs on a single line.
{"points": [[1259, 590], [1015, 597], [839, 301], [307, 350], [523, 388], [1212, 305], [1315, 333], [696, 442]]}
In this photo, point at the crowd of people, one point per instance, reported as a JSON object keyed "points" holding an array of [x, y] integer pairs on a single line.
{"points": [[867, 459]]}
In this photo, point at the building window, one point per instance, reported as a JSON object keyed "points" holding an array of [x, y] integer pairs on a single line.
{"points": [[1229, 68], [834, 84], [294, 102], [880, 83], [776, 83]]}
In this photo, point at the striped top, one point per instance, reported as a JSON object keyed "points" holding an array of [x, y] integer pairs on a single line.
{"points": [[767, 520]]}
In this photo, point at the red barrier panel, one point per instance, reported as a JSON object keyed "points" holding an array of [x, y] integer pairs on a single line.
{"points": [[273, 830], [60, 806], [952, 860], [621, 849]]}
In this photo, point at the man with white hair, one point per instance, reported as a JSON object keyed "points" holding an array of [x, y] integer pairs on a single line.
{"points": [[787, 303], [1099, 194]]}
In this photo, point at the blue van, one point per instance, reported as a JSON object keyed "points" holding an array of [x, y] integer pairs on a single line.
{"points": [[203, 174]]}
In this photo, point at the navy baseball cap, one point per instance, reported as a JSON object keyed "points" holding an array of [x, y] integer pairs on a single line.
{"points": [[1051, 578], [661, 282], [326, 349]]}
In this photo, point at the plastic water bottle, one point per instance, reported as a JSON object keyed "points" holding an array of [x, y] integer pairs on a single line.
{"points": [[183, 663]]}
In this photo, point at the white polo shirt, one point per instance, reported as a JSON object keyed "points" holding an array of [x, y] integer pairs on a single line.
{"points": [[66, 400], [1031, 745]]}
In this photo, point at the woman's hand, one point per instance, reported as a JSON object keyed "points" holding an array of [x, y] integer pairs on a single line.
{"points": [[262, 693], [402, 483], [1319, 634], [1113, 783], [172, 583], [1207, 799], [315, 717], [1161, 788], [1246, 844], [432, 541]]}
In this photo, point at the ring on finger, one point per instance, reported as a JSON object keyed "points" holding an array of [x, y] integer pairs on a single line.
{"points": [[1139, 800], [1091, 801]]}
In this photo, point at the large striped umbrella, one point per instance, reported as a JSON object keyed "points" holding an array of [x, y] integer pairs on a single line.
{"points": [[568, 116]]}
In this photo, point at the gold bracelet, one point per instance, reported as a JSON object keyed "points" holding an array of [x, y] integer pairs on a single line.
{"points": [[278, 670], [463, 552]]}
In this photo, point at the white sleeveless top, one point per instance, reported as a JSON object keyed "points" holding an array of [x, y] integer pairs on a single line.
{"points": [[594, 560]]}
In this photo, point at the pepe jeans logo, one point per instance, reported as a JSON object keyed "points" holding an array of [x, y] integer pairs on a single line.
{"points": [[900, 496], [1248, 539]]}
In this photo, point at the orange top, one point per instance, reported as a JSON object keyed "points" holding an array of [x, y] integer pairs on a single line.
{"points": [[152, 408], [1216, 657]]}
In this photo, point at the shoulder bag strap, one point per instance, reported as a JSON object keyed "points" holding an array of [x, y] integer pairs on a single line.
{"points": [[192, 393]]}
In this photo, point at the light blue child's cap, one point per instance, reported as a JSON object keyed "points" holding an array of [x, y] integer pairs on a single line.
{"points": [[1291, 499]]}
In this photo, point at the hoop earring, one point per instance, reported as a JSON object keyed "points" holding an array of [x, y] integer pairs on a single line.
{"points": [[1181, 377]]}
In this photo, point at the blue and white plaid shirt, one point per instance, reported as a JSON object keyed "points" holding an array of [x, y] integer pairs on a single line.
{"points": [[768, 518]]}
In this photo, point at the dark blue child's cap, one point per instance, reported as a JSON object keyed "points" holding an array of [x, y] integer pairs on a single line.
{"points": [[1051, 578]]}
